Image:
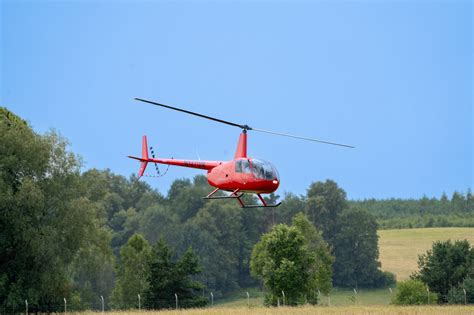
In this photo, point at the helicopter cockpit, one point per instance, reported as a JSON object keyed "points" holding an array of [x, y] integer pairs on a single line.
{"points": [[261, 169]]}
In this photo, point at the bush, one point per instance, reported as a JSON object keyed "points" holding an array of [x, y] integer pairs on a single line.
{"points": [[456, 294], [385, 279], [413, 292], [445, 266]]}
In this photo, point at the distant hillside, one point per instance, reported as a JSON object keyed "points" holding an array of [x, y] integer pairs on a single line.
{"points": [[399, 249]]}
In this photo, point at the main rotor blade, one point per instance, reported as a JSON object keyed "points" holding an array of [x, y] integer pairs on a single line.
{"points": [[302, 138], [196, 114], [245, 127]]}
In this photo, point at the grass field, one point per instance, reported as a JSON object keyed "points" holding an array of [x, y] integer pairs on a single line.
{"points": [[356, 310], [399, 249], [338, 297]]}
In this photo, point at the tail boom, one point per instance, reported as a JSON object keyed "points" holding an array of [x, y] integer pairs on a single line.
{"points": [[203, 165], [144, 160]]}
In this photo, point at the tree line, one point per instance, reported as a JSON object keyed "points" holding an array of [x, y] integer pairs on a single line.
{"points": [[456, 210], [68, 233]]}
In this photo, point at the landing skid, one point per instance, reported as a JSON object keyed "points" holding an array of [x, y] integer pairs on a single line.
{"points": [[236, 195]]}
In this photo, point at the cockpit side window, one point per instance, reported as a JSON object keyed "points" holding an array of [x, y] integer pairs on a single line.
{"points": [[242, 166]]}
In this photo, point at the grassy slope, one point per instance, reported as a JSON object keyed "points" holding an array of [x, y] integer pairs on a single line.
{"points": [[399, 249]]}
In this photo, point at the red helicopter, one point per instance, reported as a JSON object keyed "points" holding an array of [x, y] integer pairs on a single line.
{"points": [[241, 175]]}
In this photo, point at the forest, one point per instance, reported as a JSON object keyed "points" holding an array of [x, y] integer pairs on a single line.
{"points": [[67, 232]]}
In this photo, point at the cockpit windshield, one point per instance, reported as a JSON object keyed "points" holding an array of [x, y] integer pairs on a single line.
{"points": [[263, 169]]}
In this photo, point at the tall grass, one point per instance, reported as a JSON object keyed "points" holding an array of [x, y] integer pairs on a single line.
{"points": [[356, 310]]}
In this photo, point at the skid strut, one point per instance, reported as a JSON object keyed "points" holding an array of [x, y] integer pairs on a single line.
{"points": [[231, 196], [236, 195]]}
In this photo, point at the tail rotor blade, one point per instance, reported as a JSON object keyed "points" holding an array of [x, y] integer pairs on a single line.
{"points": [[302, 138]]}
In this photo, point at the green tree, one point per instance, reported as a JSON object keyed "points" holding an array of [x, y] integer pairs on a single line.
{"points": [[132, 274], [469, 201], [92, 270], [45, 217], [456, 294], [167, 278], [458, 202], [318, 246], [290, 206], [288, 262], [413, 292], [356, 251], [216, 231], [445, 266], [186, 198], [325, 203]]}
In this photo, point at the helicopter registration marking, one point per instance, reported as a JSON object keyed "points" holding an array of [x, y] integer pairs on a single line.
{"points": [[195, 164]]}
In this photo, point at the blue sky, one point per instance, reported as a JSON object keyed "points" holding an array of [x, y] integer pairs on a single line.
{"points": [[395, 79]]}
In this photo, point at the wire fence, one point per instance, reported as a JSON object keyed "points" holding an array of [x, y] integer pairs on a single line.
{"points": [[62, 305]]}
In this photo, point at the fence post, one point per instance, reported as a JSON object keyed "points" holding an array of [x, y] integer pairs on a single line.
{"points": [[26, 304], [428, 290], [248, 300], [212, 299], [390, 289], [355, 296], [283, 294], [176, 297], [139, 303], [329, 300], [102, 298], [465, 296], [65, 306]]}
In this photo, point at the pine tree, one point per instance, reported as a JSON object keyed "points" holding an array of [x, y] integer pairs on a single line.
{"points": [[167, 278]]}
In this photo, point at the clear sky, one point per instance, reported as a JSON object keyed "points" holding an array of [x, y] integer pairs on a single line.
{"points": [[395, 79]]}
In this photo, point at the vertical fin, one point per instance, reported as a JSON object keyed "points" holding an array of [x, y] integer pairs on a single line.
{"points": [[144, 156], [144, 148]]}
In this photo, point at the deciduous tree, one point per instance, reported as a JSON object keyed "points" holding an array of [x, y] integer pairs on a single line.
{"points": [[446, 265], [356, 250], [132, 273], [293, 260]]}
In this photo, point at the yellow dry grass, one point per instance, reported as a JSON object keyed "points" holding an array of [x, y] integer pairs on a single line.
{"points": [[399, 249], [356, 310]]}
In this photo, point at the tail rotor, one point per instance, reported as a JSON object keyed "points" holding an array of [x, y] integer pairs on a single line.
{"points": [[156, 165]]}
